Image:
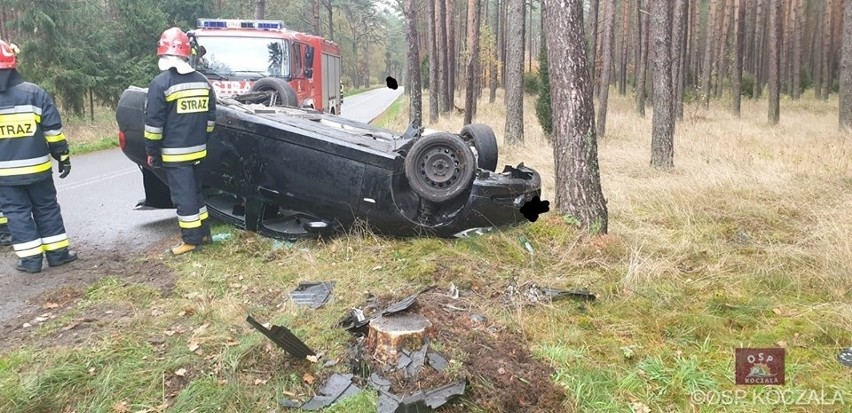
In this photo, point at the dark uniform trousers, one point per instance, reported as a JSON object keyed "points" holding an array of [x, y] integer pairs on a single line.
{"points": [[185, 184], [34, 218]]}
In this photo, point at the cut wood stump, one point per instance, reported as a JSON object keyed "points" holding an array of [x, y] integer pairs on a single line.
{"points": [[390, 334]]}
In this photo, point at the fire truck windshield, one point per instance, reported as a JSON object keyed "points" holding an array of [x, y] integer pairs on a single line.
{"points": [[243, 57]]}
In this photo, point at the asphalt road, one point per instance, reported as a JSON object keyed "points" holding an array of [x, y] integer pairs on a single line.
{"points": [[97, 201]]}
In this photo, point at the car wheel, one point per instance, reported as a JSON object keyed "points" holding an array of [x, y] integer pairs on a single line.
{"points": [[286, 93], [440, 167], [482, 138]]}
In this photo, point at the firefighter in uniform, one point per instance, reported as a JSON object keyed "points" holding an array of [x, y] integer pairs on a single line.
{"points": [[180, 113], [30, 133]]}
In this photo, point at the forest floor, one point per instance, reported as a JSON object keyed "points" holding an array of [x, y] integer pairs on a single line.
{"points": [[745, 243]]}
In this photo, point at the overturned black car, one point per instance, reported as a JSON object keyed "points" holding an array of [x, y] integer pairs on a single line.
{"points": [[288, 173]]}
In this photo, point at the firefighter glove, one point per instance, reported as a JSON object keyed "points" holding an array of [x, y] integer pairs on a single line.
{"points": [[64, 165], [155, 161]]}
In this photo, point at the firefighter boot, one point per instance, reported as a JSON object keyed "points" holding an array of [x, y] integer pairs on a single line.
{"points": [[183, 248], [5, 239], [31, 265], [60, 257]]}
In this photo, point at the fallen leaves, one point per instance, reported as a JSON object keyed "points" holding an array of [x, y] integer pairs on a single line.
{"points": [[193, 346]]}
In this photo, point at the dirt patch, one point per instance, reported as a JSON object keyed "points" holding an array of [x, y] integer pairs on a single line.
{"points": [[502, 375], [56, 290]]}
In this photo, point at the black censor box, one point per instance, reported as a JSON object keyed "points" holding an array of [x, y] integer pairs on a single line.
{"points": [[759, 366]]}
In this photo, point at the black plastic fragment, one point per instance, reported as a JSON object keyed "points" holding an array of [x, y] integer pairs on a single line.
{"points": [[356, 323], [313, 294], [418, 358], [556, 295], [289, 403], [845, 357], [400, 305], [437, 361], [338, 387], [284, 338]]}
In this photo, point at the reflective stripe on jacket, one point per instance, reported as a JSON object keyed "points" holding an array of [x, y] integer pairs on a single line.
{"points": [[30, 132], [180, 112]]}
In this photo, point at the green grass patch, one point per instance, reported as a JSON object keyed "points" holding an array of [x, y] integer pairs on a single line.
{"points": [[390, 115], [94, 146]]}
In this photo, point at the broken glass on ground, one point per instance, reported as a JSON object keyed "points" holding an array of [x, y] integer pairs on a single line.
{"points": [[313, 294], [535, 294], [284, 338]]}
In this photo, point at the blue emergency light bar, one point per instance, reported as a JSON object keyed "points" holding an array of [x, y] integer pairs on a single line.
{"points": [[240, 24]]}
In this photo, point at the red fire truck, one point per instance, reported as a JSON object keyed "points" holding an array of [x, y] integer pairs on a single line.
{"points": [[243, 56]]}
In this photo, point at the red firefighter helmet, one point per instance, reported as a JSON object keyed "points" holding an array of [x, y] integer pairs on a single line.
{"points": [[173, 42], [8, 52]]}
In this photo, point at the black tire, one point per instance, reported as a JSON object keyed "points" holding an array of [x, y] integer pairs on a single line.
{"points": [[440, 167], [482, 138], [286, 93]]}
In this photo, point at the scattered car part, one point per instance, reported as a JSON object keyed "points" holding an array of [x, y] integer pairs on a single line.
{"points": [[312, 294], [284, 338], [338, 387], [556, 295], [483, 140], [532, 293], [437, 361], [421, 401], [440, 167], [418, 359], [845, 357]]}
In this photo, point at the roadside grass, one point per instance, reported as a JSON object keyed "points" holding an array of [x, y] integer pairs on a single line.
{"points": [[391, 115], [352, 92], [86, 135], [745, 243]]}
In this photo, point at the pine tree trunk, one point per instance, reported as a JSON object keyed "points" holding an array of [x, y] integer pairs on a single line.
{"points": [[846, 70], [260, 9], [758, 49], [826, 52], [434, 63], [695, 43], [575, 149], [678, 26], [514, 133], [473, 57], [662, 140], [681, 71], [724, 33], [817, 51], [751, 14], [414, 84], [622, 61], [643, 58], [774, 60], [453, 51], [797, 49], [315, 9], [443, 56], [606, 65], [592, 34], [736, 84], [708, 54], [492, 81]]}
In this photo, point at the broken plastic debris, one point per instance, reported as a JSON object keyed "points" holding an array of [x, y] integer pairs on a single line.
{"points": [[845, 357], [526, 244], [222, 237], [537, 294], [555, 294], [421, 401], [338, 387], [473, 232], [289, 403], [437, 361], [418, 358], [278, 244], [284, 338], [313, 294], [454, 291]]}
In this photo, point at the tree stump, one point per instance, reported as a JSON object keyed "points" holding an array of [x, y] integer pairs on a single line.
{"points": [[388, 335]]}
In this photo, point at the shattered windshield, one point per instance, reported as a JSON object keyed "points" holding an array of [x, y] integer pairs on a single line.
{"points": [[244, 57]]}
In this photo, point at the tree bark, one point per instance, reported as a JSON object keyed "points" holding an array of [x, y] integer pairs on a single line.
{"points": [[774, 60], [473, 58], [797, 49], [758, 50], [678, 26], [622, 61], [606, 65], [724, 32], [643, 58], [826, 52], [708, 54], [315, 10], [260, 9], [736, 84], [662, 139], [818, 50], [592, 34], [452, 53], [434, 63], [515, 71], [695, 44], [443, 56], [492, 75], [414, 85], [575, 150], [846, 70]]}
